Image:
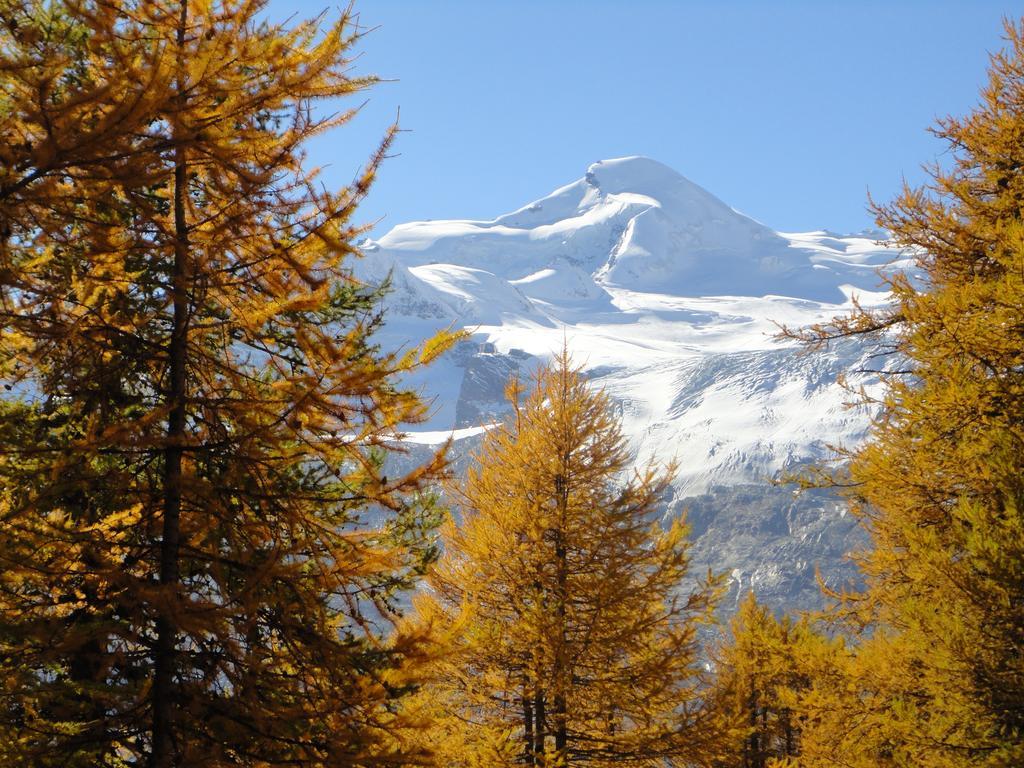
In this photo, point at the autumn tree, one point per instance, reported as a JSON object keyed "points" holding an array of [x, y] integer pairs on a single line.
{"points": [[200, 553], [938, 674], [754, 670], [767, 671], [576, 642]]}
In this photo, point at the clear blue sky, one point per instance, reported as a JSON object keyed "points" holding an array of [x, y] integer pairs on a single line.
{"points": [[788, 111]]}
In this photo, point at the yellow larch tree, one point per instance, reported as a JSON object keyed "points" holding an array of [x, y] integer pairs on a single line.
{"points": [[753, 669], [937, 677], [764, 670], [199, 551], [576, 640]]}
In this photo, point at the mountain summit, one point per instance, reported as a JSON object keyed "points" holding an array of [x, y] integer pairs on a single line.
{"points": [[635, 224]]}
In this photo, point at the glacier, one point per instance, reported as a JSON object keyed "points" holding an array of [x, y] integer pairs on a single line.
{"points": [[672, 302]]}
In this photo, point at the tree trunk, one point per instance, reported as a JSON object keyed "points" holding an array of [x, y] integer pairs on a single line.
{"points": [[561, 662], [164, 656], [561, 671], [752, 759], [539, 726], [561, 740], [787, 730], [528, 756]]}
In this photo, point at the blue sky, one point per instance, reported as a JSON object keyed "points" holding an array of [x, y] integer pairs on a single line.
{"points": [[788, 111]]}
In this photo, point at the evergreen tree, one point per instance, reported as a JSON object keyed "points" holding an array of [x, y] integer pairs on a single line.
{"points": [[578, 647], [200, 551], [938, 674]]}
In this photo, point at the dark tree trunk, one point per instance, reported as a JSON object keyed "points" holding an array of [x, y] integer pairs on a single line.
{"points": [[539, 727], [528, 756], [164, 654], [752, 758], [561, 671]]}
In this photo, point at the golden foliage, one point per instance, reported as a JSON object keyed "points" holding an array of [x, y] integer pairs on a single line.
{"points": [[762, 670], [200, 551], [575, 642], [937, 677]]}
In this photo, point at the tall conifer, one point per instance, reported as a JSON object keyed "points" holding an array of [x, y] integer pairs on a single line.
{"points": [[938, 675], [199, 550], [579, 646]]}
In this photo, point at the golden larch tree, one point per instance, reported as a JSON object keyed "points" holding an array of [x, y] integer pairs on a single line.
{"points": [[938, 674], [200, 551], [576, 633], [763, 669]]}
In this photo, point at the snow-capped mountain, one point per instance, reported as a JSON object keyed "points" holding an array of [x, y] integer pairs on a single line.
{"points": [[671, 300]]}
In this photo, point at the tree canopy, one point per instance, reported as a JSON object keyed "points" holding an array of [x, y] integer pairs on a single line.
{"points": [[200, 550]]}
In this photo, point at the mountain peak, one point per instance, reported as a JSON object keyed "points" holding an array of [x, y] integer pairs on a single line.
{"points": [[632, 223], [636, 174]]}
